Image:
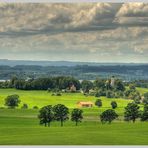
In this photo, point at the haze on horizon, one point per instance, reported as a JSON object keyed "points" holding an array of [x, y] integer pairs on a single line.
{"points": [[87, 32]]}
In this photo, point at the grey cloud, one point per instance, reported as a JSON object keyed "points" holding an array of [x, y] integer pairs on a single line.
{"points": [[55, 17], [132, 14], [98, 31]]}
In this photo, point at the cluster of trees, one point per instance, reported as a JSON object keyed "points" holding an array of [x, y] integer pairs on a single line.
{"points": [[132, 112], [100, 87], [133, 94], [59, 112], [50, 83], [141, 83], [103, 87]]}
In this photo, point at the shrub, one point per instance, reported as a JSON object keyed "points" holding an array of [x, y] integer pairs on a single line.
{"points": [[98, 102], [35, 107], [48, 90], [56, 94], [2, 108], [114, 104], [25, 106]]}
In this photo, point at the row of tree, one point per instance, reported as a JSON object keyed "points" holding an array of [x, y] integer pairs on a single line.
{"points": [[100, 87], [60, 112], [45, 83], [62, 82]]}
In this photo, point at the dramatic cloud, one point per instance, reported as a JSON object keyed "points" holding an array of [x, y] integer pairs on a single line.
{"points": [[133, 14], [101, 32]]}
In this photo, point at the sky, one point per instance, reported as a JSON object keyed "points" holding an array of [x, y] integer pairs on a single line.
{"points": [[86, 32]]}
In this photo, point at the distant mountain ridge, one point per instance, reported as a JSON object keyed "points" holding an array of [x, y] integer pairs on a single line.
{"points": [[58, 63]]}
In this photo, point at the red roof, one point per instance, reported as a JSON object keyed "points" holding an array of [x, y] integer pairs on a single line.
{"points": [[85, 103]]}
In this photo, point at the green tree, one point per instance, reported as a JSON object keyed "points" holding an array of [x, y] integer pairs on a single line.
{"points": [[144, 116], [61, 113], [12, 81], [145, 100], [108, 116], [131, 112], [86, 86], [46, 115], [99, 83], [132, 87], [110, 94], [114, 104], [98, 102], [76, 115], [119, 85], [12, 101], [25, 106]]}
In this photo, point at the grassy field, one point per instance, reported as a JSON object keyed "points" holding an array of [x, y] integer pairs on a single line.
{"points": [[21, 127]]}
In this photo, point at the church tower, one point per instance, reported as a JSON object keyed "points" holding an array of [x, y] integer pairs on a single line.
{"points": [[112, 83]]}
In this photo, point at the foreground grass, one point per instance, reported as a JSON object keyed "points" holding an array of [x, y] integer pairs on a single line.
{"points": [[21, 127]]}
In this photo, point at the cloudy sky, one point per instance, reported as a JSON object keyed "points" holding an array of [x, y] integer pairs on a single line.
{"points": [[92, 32]]}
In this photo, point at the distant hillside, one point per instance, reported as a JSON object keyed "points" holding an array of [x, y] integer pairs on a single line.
{"points": [[56, 63], [78, 70]]}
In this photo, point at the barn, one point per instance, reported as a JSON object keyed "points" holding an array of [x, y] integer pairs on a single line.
{"points": [[85, 104]]}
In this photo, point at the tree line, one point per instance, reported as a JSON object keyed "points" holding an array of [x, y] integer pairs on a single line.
{"points": [[60, 112], [89, 72], [97, 88]]}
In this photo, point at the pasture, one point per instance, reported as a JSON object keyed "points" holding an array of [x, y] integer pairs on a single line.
{"points": [[21, 126]]}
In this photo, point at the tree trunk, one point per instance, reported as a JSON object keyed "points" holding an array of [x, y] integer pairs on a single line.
{"points": [[76, 123], [48, 124], [133, 120], [45, 124], [61, 122]]}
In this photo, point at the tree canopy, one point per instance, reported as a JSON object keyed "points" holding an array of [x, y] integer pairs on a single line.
{"points": [[108, 116], [61, 113], [12, 101], [76, 115], [46, 115], [131, 112]]}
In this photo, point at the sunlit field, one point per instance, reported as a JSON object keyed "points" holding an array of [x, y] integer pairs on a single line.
{"points": [[21, 126]]}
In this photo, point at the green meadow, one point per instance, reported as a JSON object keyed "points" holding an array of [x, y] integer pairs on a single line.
{"points": [[21, 126]]}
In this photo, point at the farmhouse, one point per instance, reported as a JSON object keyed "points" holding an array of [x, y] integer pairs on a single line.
{"points": [[85, 104]]}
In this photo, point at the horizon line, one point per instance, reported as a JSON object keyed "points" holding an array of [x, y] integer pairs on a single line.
{"points": [[74, 61]]}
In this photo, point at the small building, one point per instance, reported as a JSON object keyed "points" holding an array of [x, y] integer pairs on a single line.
{"points": [[85, 104], [73, 88]]}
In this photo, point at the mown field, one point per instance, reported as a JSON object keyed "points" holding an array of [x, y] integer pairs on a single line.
{"points": [[21, 126]]}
